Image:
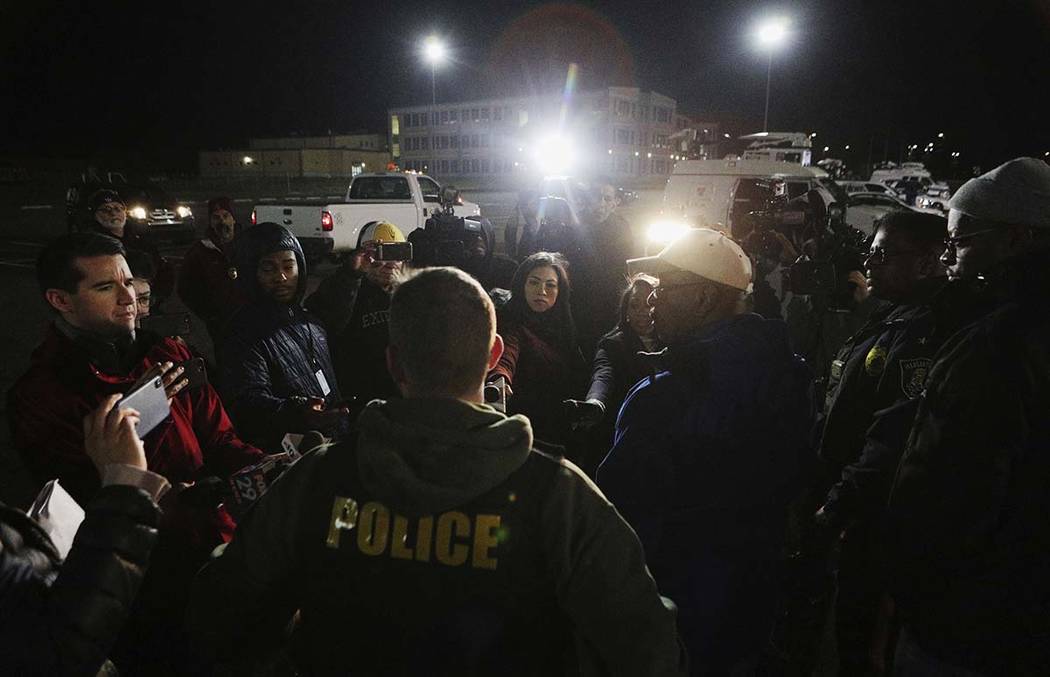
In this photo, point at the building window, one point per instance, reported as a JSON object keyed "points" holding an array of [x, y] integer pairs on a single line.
{"points": [[455, 166], [395, 125], [444, 116], [454, 141], [484, 166], [444, 166], [497, 114], [623, 137], [473, 140], [453, 116], [484, 113], [474, 166], [426, 143], [484, 140]]}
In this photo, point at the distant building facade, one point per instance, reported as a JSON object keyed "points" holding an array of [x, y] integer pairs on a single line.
{"points": [[334, 155], [620, 131]]}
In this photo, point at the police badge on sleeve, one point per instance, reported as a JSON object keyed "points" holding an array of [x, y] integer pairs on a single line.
{"points": [[913, 375]]}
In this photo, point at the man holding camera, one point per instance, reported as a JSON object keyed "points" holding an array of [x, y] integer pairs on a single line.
{"points": [[708, 453], [437, 541], [91, 352], [277, 372], [354, 305]]}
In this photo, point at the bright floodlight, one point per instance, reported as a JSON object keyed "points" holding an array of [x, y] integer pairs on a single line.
{"points": [[433, 50], [554, 154], [772, 33]]}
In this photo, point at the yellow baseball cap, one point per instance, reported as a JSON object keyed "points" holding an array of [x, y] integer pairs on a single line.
{"points": [[382, 231]]}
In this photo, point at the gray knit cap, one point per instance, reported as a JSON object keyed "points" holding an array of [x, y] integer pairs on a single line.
{"points": [[1016, 192]]}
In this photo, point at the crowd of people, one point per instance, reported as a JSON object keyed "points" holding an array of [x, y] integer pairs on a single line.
{"points": [[662, 473]]}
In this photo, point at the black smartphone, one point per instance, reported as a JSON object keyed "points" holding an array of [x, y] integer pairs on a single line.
{"points": [[195, 372], [177, 324], [393, 251]]}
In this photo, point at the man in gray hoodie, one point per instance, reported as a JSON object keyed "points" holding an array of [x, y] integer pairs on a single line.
{"points": [[437, 541]]}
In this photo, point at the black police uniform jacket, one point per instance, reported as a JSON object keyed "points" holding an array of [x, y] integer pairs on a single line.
{"points": [[873, 378], [970, 506], [438, 543]]}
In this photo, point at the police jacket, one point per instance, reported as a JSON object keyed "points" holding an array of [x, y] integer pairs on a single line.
{"points": [[62, 617], [439, 543], [882, 365], [968, 510], [356, 313], [272, 353]]}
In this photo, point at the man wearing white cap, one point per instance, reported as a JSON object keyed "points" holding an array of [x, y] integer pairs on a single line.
{"points": [[708, 453], [970, 509]]}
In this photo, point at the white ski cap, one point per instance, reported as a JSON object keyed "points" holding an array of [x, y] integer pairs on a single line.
{"points": [[708, 253]]}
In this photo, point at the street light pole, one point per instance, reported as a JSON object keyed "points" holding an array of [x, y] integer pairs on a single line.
{"points": [[433, 87], [769, 74]]}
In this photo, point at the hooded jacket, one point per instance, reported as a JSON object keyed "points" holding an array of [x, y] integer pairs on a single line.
{"points": [[272, 352], [707, 456], [439, 543], [969, 537]]}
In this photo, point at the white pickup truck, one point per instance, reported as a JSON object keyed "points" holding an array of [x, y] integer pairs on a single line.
{"points": [[325, 228]]}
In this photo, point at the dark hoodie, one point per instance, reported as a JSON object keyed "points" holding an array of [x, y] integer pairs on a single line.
{"points": [[501, 560], [706, 458], [272, 352]]}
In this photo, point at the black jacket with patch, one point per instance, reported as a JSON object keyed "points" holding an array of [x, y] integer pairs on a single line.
{"points": [[878, 370]]}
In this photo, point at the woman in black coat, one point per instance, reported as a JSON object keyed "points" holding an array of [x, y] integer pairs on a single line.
{"points": [[617, 367]]}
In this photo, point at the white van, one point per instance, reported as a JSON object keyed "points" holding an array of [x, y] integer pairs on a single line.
{"points": [[714, 193]]}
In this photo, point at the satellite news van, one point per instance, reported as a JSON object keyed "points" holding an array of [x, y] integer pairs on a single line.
{"points": [[719, 193]]}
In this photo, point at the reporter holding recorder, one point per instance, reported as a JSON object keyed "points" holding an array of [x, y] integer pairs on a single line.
{"points": [[50, 608]]}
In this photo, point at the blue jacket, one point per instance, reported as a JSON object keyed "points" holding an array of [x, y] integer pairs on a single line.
{"points": [[707, 455]]}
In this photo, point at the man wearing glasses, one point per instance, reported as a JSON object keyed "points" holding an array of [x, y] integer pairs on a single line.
{"points": [[969, 533], [708, 453], [883, 364]]}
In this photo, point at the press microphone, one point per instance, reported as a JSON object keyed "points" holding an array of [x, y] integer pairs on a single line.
{"points": [[250, 483]]}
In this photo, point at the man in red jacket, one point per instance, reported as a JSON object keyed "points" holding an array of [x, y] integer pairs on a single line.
{"points": [[91, 352], [207, 278]]}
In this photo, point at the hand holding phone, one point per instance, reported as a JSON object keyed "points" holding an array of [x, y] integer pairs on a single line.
{"points": [[150, 401]]}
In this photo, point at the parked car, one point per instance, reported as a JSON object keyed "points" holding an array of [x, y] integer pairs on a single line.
{"points": [[324, 228], [864, 209], [865, 187]]}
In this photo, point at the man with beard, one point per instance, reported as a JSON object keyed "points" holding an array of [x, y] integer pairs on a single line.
{"points": [[707, 453], [968, 529], [208, 280], [277, 372]]}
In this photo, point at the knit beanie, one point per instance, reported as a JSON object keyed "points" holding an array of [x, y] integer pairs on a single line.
{"points": [[1016, 193]]}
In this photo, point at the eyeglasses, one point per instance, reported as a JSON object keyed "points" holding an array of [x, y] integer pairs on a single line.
{"points": [[960, 240], [880, 256]]}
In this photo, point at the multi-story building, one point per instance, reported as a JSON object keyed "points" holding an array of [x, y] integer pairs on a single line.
{"points": [[300, 156], [620, 131]]}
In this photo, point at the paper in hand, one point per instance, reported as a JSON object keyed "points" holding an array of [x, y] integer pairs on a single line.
{"points": [[58, 514]]}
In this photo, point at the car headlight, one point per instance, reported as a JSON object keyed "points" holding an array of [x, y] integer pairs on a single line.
{"points": [[137, 213], [663, 232], [183, 211]]}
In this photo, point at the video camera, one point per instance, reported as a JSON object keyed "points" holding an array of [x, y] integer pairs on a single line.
{"points": [[446, 239], [839, 248]]}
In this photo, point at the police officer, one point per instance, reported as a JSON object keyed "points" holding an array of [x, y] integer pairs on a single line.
{"points": [[885, 363], [437, 541]]}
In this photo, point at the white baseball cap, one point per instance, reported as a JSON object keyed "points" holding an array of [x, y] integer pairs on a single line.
{"points": [[701, 251]]}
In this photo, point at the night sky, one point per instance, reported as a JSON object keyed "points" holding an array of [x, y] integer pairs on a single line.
{"points": [[186, 75]]}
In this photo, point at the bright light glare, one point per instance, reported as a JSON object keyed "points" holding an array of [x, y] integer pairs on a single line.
{"points": [[434, 50], [137, 213], [663, 232], [554, 154], [772, 33], [183, 211]]}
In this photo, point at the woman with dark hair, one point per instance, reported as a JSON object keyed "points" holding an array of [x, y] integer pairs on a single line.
{"points": [[541, 360], [616, 368]]}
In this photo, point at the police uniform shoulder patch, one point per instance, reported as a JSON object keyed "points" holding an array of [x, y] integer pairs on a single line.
{"points": [[875, 361], [913, 376]]}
